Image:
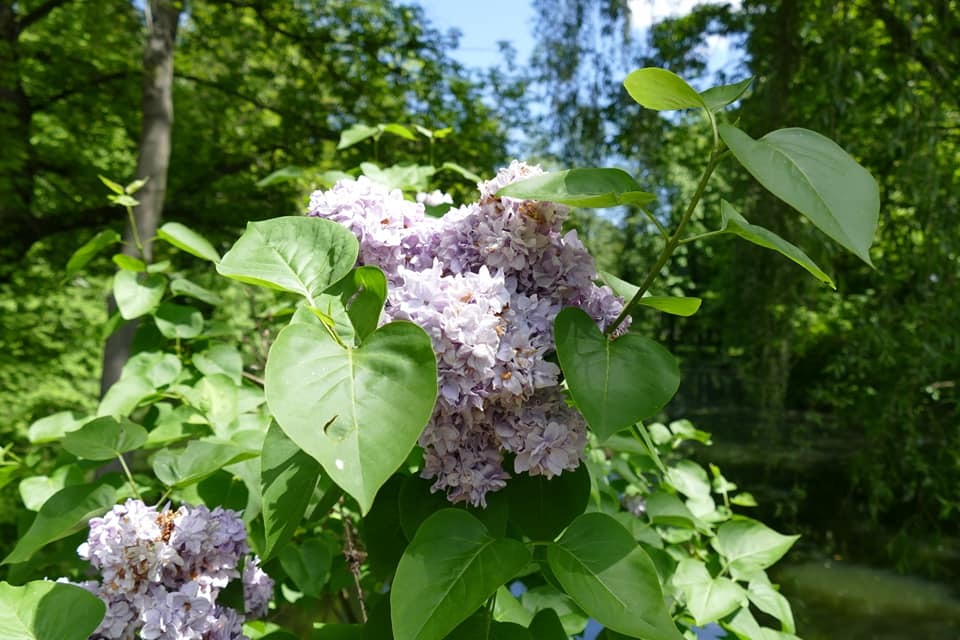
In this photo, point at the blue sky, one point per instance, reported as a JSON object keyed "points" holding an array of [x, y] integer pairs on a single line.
{"points": [[485, 22]]}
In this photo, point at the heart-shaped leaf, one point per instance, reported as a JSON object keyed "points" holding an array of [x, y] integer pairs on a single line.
{"points": [[602, 568], [534, 509], [297, 254], [46, 610], [186, 239], [363, 293], [816, 177], [105, 438], [448, 571], [615, 382], [595, 188], [63, 513], [736, 224], [358, 411], [177, 321], [749, 546], [137, 294]]}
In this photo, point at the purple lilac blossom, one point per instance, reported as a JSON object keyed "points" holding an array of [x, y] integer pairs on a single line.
{"points": [[161, 572], [485, 281]]}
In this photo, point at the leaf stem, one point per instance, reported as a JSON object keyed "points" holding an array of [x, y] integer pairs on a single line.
{"points": [[663, 230], [136, 234], [701, 236], [133, 483], [672, 243]]}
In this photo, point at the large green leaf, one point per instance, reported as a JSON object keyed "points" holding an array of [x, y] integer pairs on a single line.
{"points": [[90, 248], [736, 224], [46, 610], [63, 513], [662, 90], [358, 411], [288, 477], [816, 177], [198, 460], [297, 254], [186, 239], [708, 599], [356, 133], [534, 507], [142, 375], [105, 438], [546, 625], [602, 568], [53, 427], [749, 546], [449, 570], [615, 382], [594, 188], [137, 294]]}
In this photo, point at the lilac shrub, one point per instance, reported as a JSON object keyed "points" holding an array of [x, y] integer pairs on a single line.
{"points": [[485, 282], [162, 571]]}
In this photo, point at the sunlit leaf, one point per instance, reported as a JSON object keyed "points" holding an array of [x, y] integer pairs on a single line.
{"points": [[595, 188]]}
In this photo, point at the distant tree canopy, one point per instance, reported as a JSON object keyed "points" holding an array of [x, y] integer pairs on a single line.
{"points": [[881, 77], [258, 86]]}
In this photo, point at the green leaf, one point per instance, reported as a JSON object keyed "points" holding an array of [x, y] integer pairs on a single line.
{"points": [[105, 438], [534, 507], [770, 601], [600, 566], [506, 608], [380, 530], [411, 177], [546, 625], [363, 293], [177, 321], [398, 130], [667, 509], [595, 188], [46, 610], [53, 427], [288, 477], [358, 411], [546, 597], [90, 248], [449, 570], [282, 175], [129, 263], [466, 173], [615, 382], [110, 184], [749, 546], [135, 186], [198, 460], [716, 98], [816, 177], [708, 599], [183, 287], [142, 375], [123, 200], [36, 490], [186, 239], [356, 133], [308, 565], [662, 90], [744, 499], [220, 358], [677, 306], [297, 254], [736, 224], [65, 512], [137, 294], [689, 478]]}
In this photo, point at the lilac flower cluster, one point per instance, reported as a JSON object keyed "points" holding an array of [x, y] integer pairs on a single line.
{"points": [[485, 281], [163, 570]]}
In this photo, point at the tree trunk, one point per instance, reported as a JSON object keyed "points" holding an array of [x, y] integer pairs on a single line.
{"points": [[154, 159]]}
